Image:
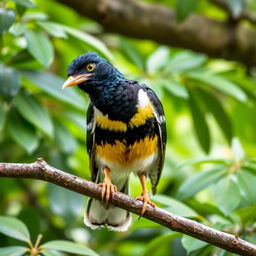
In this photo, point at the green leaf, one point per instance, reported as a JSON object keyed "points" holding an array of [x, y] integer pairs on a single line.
{"points": [[184, 8], [215, 107], [25, 3], [10, 82], [132, 53], [191, 244], [22, 132], [2, 115], [174, 206], [52, 85], [33, 112], [247, 185], [236, 7], [40, 46], [204, 160], [200, 124], [237, 149], [13, 227], [7, 18], [158, 242], [202, 179], [227, 195], [70, 207], [46, 252], [247, 214], [157, 59], [34, 16], [13, 251], [17, 29], [90, 40], [219, 83], [70, 247], [184, 61], [53, 29], [175, 88], [64, 139]]}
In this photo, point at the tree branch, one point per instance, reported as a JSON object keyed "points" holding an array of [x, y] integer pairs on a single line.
{"points": [[42, 171], [244, 15], [158, 23]]}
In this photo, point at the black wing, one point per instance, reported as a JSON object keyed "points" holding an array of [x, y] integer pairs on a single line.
{"points": [[90, 141], [155, 174]]}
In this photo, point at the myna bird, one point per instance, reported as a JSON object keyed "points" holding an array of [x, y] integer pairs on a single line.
{"points": [[126, 133]]}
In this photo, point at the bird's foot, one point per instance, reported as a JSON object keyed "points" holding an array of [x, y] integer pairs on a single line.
{"points": [[145, 199], [107, 190]]}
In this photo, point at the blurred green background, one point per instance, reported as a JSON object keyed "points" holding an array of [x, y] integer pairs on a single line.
{"points": [[210, 107]]}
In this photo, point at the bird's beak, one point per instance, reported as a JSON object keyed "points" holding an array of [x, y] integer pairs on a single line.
{"points": [[76, 79]]}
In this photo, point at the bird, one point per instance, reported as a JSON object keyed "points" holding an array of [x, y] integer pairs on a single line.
{"points": [[126, 133]]}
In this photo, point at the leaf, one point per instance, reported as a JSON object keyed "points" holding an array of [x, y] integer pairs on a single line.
{"points": [[247, 214], [237, 149], [157, 59], [132, 53], [68, 208], [25, 3], [246, 182], [215, 107], [40, 46], [22, 132], [191, 244], [2, 115], [53, 29], [184, 61], [46, 252], [90, 40], [236, 7], [174, 206], [175, 88], [219, 83], [205, 160], [200, 124], [227, 195], [52, 85], [202, 179], [7, 18], [158, 242], [17, 29], [184, 8], [9, 81], [70, 247], [64, 139], [33, 112], [13, 227], [13, 251]]}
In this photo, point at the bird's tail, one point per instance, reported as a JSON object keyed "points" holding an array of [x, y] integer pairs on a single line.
{"points": [[99, 214]]}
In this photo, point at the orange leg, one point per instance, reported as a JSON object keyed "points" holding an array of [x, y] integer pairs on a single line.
{"points": [[107, 187], [144, 196]]}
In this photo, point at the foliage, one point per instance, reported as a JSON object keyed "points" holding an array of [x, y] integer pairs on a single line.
{"points": [[209, 106]]}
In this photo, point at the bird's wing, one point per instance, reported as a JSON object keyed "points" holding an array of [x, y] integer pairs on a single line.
{"points": [[155, 174], [90, 140]]}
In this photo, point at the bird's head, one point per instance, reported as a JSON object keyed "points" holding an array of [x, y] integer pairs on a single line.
{"points": [[90, 71]]}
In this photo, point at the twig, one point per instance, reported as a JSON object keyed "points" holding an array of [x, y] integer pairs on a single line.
{"points": [[42, 171]]}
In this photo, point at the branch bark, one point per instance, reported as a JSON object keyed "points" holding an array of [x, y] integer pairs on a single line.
{"points": [[42, 171], [158, 23]]}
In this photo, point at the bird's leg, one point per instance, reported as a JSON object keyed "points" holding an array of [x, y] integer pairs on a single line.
{"points": [[144, 196], [107, 187]]}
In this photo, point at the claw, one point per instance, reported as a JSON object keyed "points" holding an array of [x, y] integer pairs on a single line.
{"points": [[107, 187], [145, 199], [144, 196]]}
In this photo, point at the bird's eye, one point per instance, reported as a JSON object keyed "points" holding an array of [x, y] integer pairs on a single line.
{"points": [[90, 67]]}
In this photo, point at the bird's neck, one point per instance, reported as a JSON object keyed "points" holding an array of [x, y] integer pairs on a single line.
{"points": [[118, 101]]}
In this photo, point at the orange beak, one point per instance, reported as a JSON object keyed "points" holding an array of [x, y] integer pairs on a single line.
{"points": [[77, 79]]}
